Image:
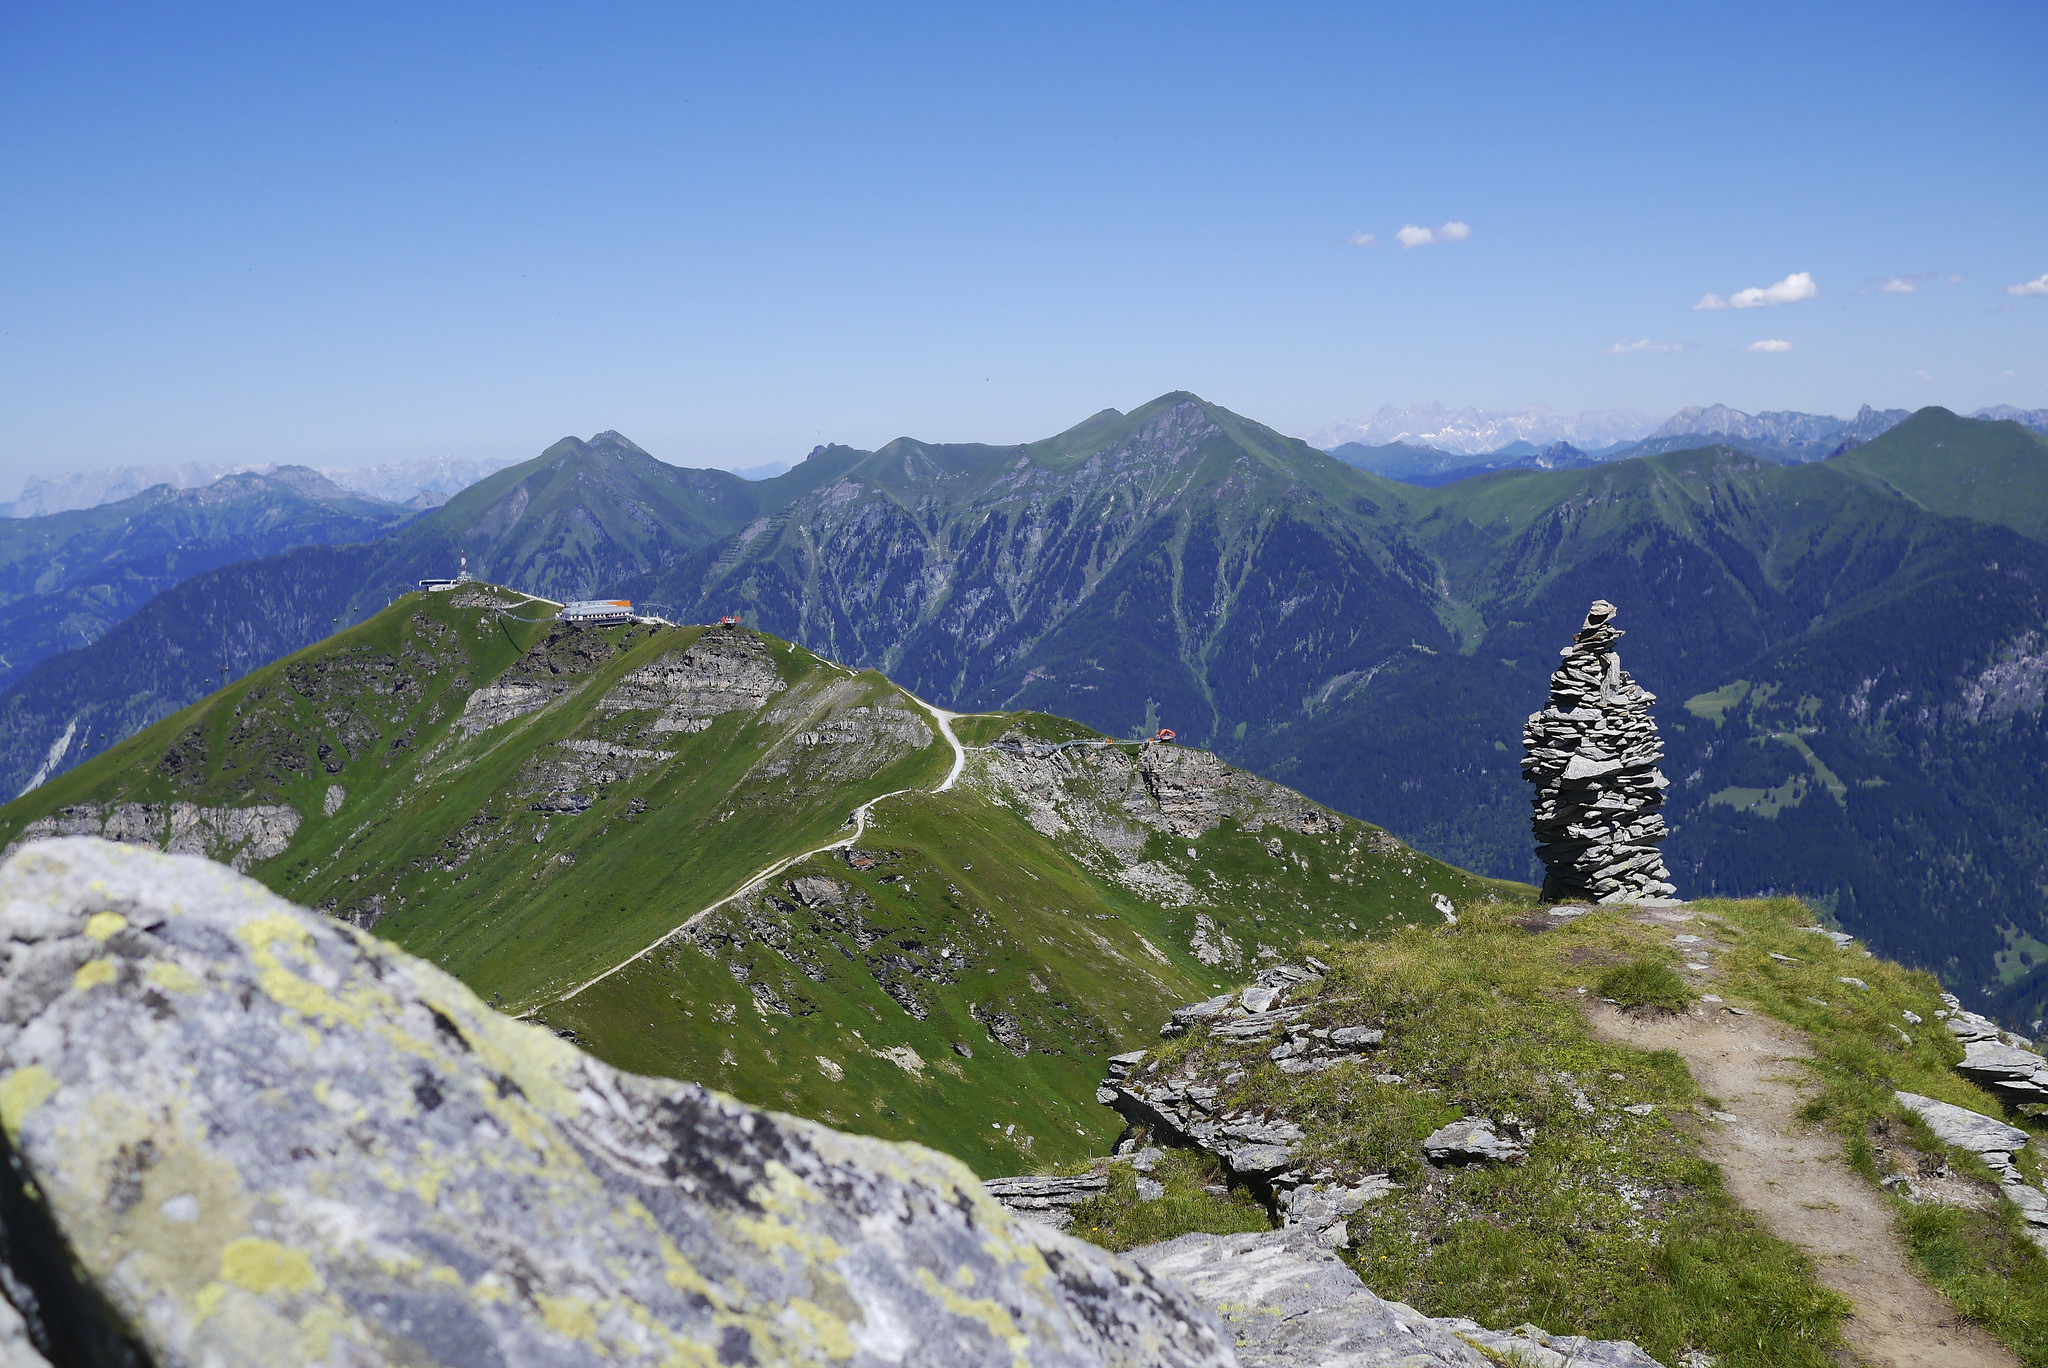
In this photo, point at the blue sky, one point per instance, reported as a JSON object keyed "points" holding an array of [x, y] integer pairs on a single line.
{"points": [[371, 233]]}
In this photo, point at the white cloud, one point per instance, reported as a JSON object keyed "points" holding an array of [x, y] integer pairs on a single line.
{"points": [[1793, 288], [1955, 280], [1629, 345], [1769, 344], [1414, 236], [1364, 240], [2037, 286]]}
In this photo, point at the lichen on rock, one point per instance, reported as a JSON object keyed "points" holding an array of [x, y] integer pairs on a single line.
{"points": [[267, 1138]]}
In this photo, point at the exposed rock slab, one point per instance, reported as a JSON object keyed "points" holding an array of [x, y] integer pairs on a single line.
{"points": [[1963, 1128], [2017, 1074], [721, 672], [1474, 1140], [1049, 1201], [1290, 1303], [1992, 1141], [268, 1138]]}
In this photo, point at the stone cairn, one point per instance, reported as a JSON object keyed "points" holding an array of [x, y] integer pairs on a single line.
{"points": [[1592, 754]]}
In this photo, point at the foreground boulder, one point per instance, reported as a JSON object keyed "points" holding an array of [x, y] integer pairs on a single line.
{"points": [[238, 1133]]}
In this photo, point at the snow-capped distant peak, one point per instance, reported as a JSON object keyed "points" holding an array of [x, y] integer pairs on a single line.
{"points": [[1476, 431]]}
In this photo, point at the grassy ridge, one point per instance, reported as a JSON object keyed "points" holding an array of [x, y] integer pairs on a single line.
{"points": [[531, 855], [1617, 1226], [1039, 930]]}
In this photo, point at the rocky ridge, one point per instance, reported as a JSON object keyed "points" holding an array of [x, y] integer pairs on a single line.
{"points": [[1592, 754], [1284, 1295]]}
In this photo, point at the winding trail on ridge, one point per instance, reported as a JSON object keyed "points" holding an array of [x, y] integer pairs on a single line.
{"points": [[858, 821], [1793, 1176]]}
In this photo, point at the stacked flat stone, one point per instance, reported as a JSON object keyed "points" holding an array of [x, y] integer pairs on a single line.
{"points": [[1592, 754]]}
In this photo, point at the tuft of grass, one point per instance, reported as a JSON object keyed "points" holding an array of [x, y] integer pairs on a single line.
{"points": [[1119, 1220], [1646, 983]]}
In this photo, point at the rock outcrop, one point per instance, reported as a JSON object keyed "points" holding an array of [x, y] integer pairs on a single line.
{"points": [[1995, 1057], [1288, 1303], [722, 671], [238, 836], [1476, 1140], [1047, 1200], [240, 1133], [1992, 1141], [1592, 754]]}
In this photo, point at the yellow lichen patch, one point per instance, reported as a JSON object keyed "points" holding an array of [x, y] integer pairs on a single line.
{"points": [[103, 925], [683, 1276], [317, 1329], [568, 1316], [92, 974], [21, 1092], [266, 1266], [265, 937], [996, 1317], [190, 1206], [174, 978], [782, 1197], [208, 1301], [828, 1332], [535, 1058]]}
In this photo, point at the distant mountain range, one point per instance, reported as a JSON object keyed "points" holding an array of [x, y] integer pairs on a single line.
{"points": [[1450, 451], [423, 483], [67, 578], [1849, 650]]}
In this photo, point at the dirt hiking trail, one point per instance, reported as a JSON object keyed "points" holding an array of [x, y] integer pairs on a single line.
{"points": [[1793, 1176]]}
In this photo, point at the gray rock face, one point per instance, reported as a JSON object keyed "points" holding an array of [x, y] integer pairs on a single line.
{"points": [[1324, 1208], [1592, 754], [722, 671], [1290, 1303], [2016, 1074], [238, 836], [267, 1138]]}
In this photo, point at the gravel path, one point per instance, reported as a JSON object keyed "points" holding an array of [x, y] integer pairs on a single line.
{"points": [[1793, 1176]]}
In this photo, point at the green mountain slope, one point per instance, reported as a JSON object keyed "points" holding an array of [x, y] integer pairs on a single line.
{"points": [[1965, 467], [568, 524], [1178, 564], [713, 854]]}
